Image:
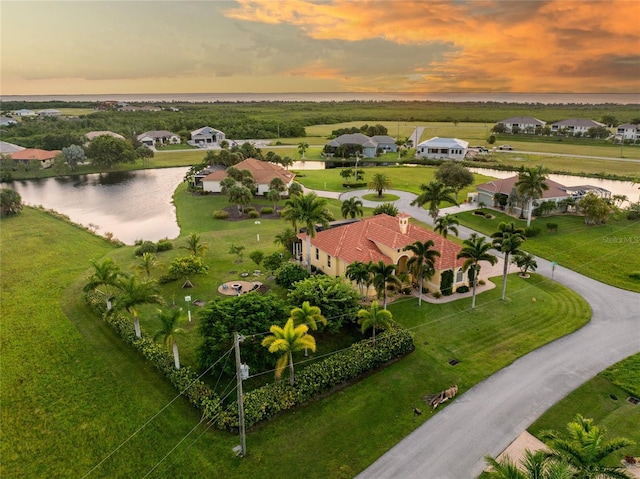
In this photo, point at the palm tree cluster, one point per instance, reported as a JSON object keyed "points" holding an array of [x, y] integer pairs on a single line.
{"points": [[433, 194], [507, 240]]}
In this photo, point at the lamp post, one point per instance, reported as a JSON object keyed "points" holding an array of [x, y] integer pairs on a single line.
{"points": [[188, 300], [257, 234]]}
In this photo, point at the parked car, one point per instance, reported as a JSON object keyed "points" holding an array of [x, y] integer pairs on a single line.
{"points": [[481, 149], [505, 147]]}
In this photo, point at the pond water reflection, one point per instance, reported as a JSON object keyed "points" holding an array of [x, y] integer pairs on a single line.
{"points": [[131, 205]]}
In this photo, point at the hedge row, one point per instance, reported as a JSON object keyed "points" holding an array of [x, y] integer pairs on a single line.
{"points": [[318, 378]]}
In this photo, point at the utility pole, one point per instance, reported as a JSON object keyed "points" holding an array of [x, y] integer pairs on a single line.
{"points": [[241, 371]]}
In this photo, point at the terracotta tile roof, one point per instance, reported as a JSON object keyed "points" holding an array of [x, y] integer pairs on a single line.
{"points": [[34, 154], [262, 171], [505, 186], [359, 241]]}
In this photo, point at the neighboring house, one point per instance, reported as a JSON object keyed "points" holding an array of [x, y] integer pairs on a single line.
{"points": [[24, 113], [94, 134], [442, 148], [628, 131], [575, 126], [27, 155], [49, 112], [381, 237], [8, 148], [149, 108], [370, 145], [158, 137], [206, 137], [262, 171], [6, 121], [523, 124]]}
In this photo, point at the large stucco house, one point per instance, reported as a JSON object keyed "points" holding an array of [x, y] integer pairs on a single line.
{"points": [[628, 132], [442, 148], [575, 126], [380, 238], [206, 137], [28, 155], [522, 124], [262, 171], [158, 137], [370, 145]]}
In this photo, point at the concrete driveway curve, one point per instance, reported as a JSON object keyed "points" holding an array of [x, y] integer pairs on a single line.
{"points": [[488, 417]]}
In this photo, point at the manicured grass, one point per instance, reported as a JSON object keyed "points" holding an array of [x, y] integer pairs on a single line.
{"points": [[85, 387], [607, 253], [384, 198]]}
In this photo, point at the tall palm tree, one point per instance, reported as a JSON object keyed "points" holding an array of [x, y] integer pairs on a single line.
{"points": [[507, 240], [375, 318], [476, 249], [273, 195], [307, 211], [380, 182], [195, 245], [445, 224], [586, 450], [170, 319], [133, 293], [360, 273], [383, 278], [422, 263], [288, 340], [351, 207], [309, 315], [532, 183], [303, 146], [534, 465], [434, 193], [147, 262], [104, 274]]}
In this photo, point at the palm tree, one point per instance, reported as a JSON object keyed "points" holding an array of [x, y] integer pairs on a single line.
{"points": [[507, 240], [307, 211], [352, 207], [525, 262], [346, 173], [534, 465], [277, 184], [309, 315], [147, 262], [375, 318], [170, 320], [241, 196], [288, 340], [383, 278], [422, 263], [286, 238], [586, 450], [379, 183], [195, 245], [360, 273], [134, 293], [531, 183], [303, 146], [273, 195], [434, 193], [104, 274], [226, 185], [476, 249], [446, 223]]}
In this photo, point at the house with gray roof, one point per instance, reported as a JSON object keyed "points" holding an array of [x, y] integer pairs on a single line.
{"points": [[522, 124], [628, 131], [49, 112], [207, 137], [94, 134], [442, 148], [158, 137], [8, 148], [6, 121], [574, 126], [357, 142]]}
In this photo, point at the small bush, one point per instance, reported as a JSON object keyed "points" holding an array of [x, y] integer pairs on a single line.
{"points": [[406, 291], [479, 213], [266, 211], [437, 294], [254, 214], [481, 282], [531, 231], [249, 209], [164, 245], [462, 289], [552, 227], [633, 215], [220, 214], [425, 290], [146, 247], [635, 275]]}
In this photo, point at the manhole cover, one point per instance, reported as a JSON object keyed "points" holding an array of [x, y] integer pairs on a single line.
{"points": [[633, 400], [453, 362]]}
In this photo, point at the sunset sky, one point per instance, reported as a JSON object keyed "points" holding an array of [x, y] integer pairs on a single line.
{"points": [[85, 47]]}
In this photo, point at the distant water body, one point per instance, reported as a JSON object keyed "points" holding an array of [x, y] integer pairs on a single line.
{"points": [[539, 98]]}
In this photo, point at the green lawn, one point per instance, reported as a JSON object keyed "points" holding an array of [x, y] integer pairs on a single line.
{"points": [[85, 387], [607, 253]]}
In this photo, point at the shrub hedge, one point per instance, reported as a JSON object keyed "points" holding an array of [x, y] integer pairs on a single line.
{"points": [[220, 214]]}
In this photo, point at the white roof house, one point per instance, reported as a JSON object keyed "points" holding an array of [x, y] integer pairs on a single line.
{"points": [[525, 124], [628, 131], [206, 137], [442, 148], [158, 137], [575, 125], [94, 134], [6, 121], [24, 112]]}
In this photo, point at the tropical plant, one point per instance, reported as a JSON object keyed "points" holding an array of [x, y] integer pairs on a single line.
{"points": [[295, 189], [525, 261], [226, 184], [278, 185], [286, 238], [195, 245], [303, 146], [379, 183], [475, 249], [351, 207], [531, 184], [383, 279], [257, 256], [273, 195], [507, 240], [240, 196], [346, 173], [534, 465], [134, 293], [146, 263], [455, 176], [374, 318], [595, 208], [445, 224], [170, 320], [422, 263], [359, 273], [104, 274], [308, 211], [308, 315], [586, 450], [238, 250], [286, 341], [434, 193], [10, 202], [386, 208]]}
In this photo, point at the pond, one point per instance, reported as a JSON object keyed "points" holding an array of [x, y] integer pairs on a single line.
{"points": [[131, 205]]}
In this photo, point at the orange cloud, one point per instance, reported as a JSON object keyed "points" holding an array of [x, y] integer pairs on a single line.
{"points": [[557, 45]]}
